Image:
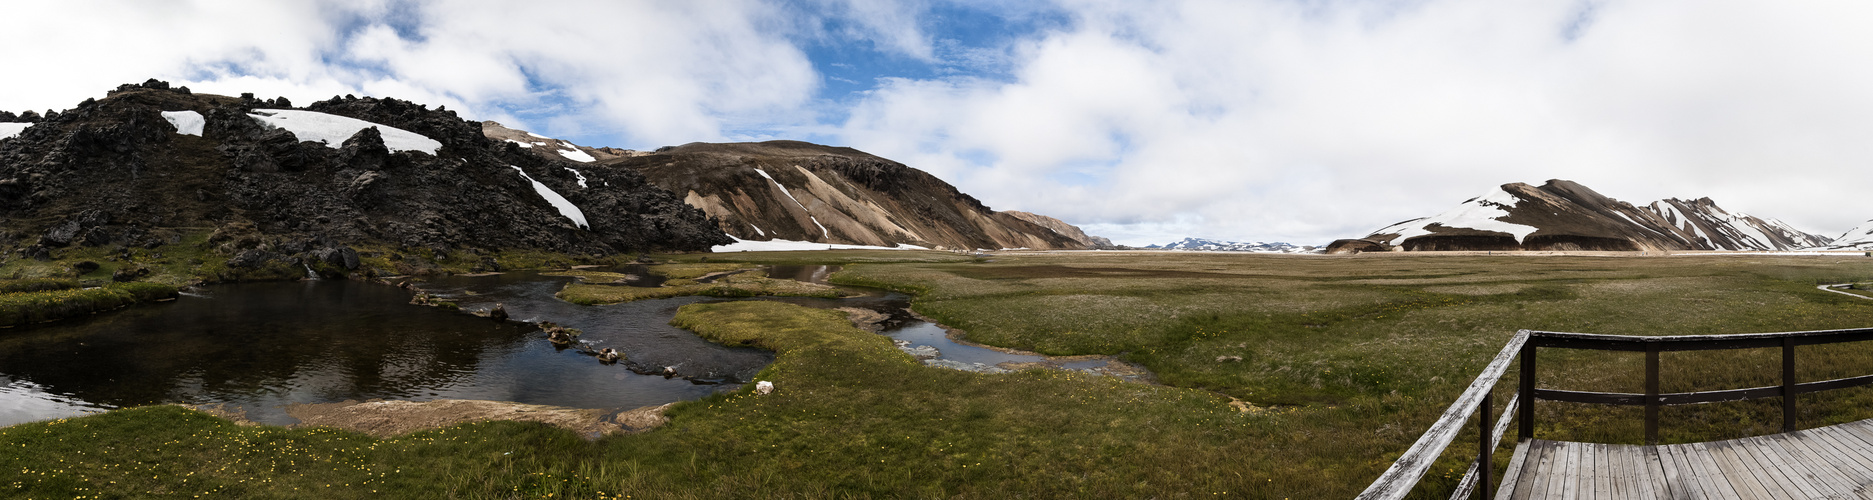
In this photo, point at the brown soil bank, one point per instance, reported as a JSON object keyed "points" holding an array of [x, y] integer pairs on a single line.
{"points": [[384, 419]]}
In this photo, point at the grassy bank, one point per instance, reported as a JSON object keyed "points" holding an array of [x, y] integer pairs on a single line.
{"points": [[1345, 360], [50, 303], [682, 282]]}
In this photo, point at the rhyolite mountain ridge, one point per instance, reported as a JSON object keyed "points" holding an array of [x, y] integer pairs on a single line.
{"points": [[149, 165], [798, 191], [273, 188], [1566, 216]]}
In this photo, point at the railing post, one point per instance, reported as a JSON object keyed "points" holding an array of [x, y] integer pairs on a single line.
{"points": [[1525, 414], [1484, 446], [1651, 393], [1788, 384]]}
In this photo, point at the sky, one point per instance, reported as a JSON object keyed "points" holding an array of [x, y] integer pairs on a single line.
{"points": [[1300, 121]]}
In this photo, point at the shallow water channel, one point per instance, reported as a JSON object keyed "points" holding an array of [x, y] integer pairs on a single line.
{"points": [[260, 346]]}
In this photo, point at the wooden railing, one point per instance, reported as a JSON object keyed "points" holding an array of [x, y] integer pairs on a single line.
{"points": [[1405, 473]]}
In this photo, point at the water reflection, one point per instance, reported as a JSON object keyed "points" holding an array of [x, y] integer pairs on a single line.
{"points": [[264, 345], [260, 346]]}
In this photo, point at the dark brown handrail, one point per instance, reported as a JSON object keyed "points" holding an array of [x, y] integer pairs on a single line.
{"points": [[1404, 474], [1651, 346]]}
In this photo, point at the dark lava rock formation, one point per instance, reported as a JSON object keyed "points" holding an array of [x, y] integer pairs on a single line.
{"points": [[799, 191], [116, 172], [1566, 216]]}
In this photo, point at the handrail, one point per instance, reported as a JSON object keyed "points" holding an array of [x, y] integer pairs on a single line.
{"points": [[1405, 473], [1652, 399]]}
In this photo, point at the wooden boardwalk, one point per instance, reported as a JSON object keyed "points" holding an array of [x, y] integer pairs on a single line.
{"points": [[1828, 462]]}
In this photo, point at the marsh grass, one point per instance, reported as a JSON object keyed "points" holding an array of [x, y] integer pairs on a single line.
{"points": [[1346, 360]]}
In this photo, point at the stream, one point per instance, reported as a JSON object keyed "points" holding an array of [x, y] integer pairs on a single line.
{"points": [[257, 347]]}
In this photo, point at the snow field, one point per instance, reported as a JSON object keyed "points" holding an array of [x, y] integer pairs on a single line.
{"points": [[12, 129], [1477, 213], [333, 129], [186, 122]]}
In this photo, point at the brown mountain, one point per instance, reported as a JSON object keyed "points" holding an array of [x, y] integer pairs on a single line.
{"points": [[1060, 226], [791, 190], [1564, 215]]}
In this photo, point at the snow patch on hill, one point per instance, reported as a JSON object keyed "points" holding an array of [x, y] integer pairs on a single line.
{"points": [[12, 129], [1476, 213], [186, 122], [332, 129]]}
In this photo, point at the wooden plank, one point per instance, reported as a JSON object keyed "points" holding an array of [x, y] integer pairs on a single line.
{"points": [[1841, 448], [1569, 471], [1733, 474], [1513, 473], [1771, 474], [1590, 485], [1554, 464], [1548, 454], [1765, 479], [1679, 475], [1821, 463], [1648, 488], [1604, 469], [1707, 474], [1796, 477], [1823, 477], [1626, 475], [1736, 472], [1835, 453], [1656, 466]]}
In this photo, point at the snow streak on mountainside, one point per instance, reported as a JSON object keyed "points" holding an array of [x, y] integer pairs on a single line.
{"points": [[789, 191], [1207, 245], [1563, 215], [552, 148], [1858, 237]]}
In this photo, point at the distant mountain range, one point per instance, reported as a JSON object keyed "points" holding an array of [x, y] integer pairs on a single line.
{"points": [[1564, 215], [1208, 245]]}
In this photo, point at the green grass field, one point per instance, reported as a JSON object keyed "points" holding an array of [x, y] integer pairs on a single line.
{"points": [[1344, 360]]}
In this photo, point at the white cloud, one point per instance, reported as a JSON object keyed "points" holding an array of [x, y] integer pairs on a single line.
{"points": [[657, 72], [1308, 122], [1251, 120]]}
